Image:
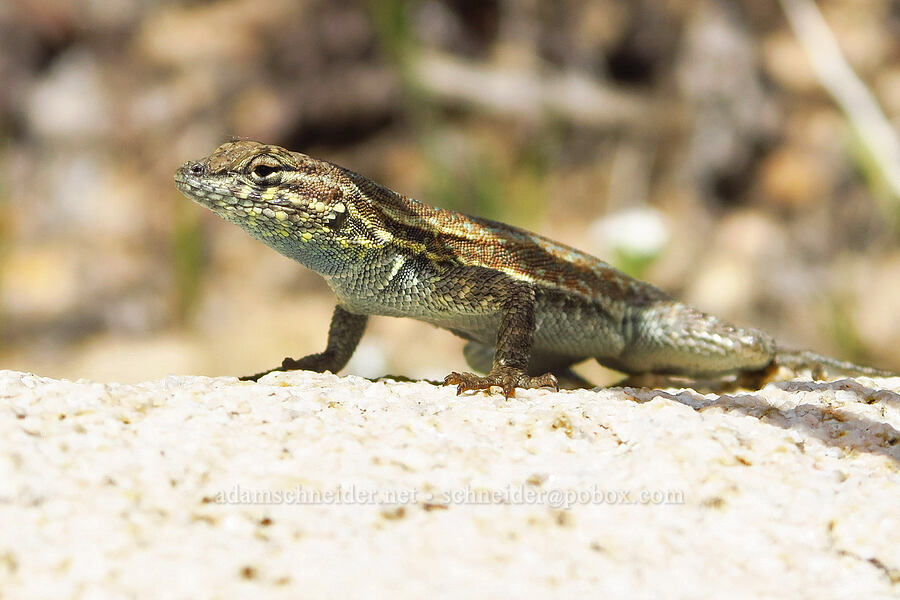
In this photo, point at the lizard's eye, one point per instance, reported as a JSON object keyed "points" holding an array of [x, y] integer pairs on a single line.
{"points": [[265, 173]]}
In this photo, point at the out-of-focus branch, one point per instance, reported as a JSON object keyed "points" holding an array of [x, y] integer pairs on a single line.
{"points": [[531, 95], [837, 76]]}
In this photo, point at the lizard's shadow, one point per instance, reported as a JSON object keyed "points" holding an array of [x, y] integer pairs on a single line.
{"points": [[829, 424]]}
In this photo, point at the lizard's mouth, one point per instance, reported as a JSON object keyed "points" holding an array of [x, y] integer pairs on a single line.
{"points": [[183, 181]]}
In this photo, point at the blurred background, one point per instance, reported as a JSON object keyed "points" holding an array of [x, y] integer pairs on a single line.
{"points": [[689, 142]]}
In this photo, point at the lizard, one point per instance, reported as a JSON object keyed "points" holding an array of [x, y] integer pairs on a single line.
{"points": [[528, 306]]}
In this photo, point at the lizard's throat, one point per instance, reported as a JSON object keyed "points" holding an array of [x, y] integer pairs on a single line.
{"points": [[319, 252]]}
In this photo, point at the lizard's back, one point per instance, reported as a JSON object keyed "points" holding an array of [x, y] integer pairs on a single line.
{"points": [[584, 307]]}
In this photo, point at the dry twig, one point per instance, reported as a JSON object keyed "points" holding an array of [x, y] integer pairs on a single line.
{"points": [[837, 76]]}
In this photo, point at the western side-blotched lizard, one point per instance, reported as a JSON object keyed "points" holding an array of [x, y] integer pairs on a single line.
{"points": [[529, 307]]}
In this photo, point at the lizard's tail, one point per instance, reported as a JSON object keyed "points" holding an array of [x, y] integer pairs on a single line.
{"points": [[824, 366]]}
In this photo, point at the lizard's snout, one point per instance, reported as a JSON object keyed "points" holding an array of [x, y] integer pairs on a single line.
{"points": [[186, 178], [189, 170]]}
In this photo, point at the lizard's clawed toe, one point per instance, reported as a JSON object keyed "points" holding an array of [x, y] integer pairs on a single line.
{"points": [[506, 378], [462, 381], [545, 380]]}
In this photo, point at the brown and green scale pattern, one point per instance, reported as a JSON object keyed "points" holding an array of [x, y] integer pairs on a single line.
{"points": [[530, 307]]}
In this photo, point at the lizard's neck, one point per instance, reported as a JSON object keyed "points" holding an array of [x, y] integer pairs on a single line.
{"points": [[328, 260]]}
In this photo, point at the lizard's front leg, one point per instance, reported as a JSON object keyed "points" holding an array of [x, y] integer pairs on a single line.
{"points": [[514, 341], [343, 336]]}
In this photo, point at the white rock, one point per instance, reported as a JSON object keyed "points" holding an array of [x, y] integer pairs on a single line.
{"points": [[308, 485]]}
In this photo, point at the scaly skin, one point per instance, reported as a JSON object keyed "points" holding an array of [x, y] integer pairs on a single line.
{"points": [[530, 307]]}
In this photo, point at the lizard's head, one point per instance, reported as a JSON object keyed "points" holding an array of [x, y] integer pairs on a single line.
{"points": [[297, 204]]}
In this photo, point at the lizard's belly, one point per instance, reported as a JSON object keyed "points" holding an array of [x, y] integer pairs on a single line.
{"points": [[566, 325], [479, 323], [573, 329]]}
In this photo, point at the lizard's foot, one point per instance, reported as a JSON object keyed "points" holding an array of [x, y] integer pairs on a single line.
{"points": [[313, 362], [506, 378], [256, 376]]}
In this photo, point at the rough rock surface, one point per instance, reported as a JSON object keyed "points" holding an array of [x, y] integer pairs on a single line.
{"points": [[320, 486]]}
